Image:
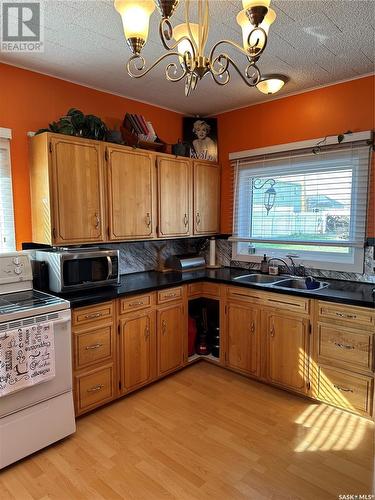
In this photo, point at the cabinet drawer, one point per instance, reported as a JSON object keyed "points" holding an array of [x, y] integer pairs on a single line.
{"points": [[93, 346], [135, 303], [98, 312], [195, 289], [211, 289], [169, 295], [288, 302], [355, 316], [345, 390], [345, 346], [246, 294], [94, 388]]}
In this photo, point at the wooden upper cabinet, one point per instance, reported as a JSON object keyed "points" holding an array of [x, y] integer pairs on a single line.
{"points": [[174, 189], [243, 338], [137, 349], [77, 173], [170, 330], [206, 182], [288, 350], [131, 194]]}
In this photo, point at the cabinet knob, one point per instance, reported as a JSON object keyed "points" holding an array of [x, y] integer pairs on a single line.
{"points": [[147, 332], [186, 220], [198, 218], [272, 331], [164, 327], [252, 327]]}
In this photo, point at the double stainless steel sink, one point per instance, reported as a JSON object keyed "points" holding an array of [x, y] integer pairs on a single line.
{"points": [[285, 282]]}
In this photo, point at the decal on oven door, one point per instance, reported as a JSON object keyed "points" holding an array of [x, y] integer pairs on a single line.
{"points": [[27, 357]]}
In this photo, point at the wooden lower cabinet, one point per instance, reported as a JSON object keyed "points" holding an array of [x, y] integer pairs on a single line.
{"points": [[137, 350], [243, 349], [287, 350], [170, 345], [94, 388]]}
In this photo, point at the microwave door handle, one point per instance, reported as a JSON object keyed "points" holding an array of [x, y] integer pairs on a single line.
{"points": [[110, 267]]}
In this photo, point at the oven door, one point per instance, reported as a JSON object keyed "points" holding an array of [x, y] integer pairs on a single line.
{"points": [[84, 271], [61, 382]]}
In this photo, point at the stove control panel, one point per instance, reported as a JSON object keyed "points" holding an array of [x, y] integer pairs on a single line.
{"points": [[15, 268]]}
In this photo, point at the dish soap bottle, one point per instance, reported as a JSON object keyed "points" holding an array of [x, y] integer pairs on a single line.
{"points": [[264, 266]]}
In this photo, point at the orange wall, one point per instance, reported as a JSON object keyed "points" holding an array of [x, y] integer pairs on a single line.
{"points": [[29, 101], [326, 111]]}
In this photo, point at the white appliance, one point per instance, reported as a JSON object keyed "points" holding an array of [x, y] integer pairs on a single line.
{"points": [[38, 415]]}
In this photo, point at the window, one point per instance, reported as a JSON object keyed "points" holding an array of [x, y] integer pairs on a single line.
{"points": [[7, 237], [309, 205]]}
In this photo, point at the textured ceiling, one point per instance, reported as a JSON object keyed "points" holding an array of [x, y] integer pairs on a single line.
{"points": [[313, 42]]}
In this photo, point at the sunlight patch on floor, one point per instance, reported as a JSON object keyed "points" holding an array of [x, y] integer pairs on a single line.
{"points": [[330, 429]]}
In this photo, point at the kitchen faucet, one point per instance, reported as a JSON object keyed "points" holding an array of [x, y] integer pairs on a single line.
{"points": [[291, 269]]}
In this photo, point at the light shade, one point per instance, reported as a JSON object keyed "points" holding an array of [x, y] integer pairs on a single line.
{"points": [[135, 16], [248, 4], [182, 30], [247, 27], [270, 84]]}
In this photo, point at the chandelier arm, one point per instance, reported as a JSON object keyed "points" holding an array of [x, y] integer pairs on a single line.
{"points": [[187, 21], [226, 42], [138, 58], [166, 34], [251, 80]]}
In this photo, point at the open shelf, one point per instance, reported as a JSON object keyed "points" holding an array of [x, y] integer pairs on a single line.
{"points": [[204, 328]]}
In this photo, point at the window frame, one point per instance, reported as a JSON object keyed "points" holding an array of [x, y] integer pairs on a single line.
{"points": [[333, 261], [5, 139]]}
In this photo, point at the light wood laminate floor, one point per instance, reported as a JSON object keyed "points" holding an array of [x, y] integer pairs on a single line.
{"points": [[203, 433]]}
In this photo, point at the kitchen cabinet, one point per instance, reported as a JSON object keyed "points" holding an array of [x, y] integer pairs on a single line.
{"points": [[137, 349], [94, 356], [131, 194], [287, 341], [206, 197], [170, 346], [243, 338], [67, 190], [174, 197], [86, 191]]}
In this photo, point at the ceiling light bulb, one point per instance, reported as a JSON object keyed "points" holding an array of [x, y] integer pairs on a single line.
{"points": [[182, 30], [270, 84], [135, 19], [247, 28]]}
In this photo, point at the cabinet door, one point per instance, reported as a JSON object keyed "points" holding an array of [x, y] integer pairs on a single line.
{"points": [[243, 338], [137, 349], [288, 350], [170, 338], [131, 180], [78, 200], [174, 186], [206, 198]]}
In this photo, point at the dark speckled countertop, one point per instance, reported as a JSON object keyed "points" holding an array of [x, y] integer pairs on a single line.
{"points": [[345, 292]]}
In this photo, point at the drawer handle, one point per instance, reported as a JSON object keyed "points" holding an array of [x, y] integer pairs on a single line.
{"points": [[347, 316], [342, 389], [92, 316], [133, 304], [93, 346], [344, 346], [170, 294], [96, 388]]}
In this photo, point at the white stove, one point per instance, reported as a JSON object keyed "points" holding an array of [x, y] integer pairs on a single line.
{"points": [[43, 405]]}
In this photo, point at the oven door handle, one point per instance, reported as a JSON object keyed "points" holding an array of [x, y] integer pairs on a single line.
{"points": [[110, 267]]}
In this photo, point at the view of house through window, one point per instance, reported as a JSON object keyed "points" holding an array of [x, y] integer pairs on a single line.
{"points": [[7, 237], [309, 205]]}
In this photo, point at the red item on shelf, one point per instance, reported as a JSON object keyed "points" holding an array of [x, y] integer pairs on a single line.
{"points": [[192, 336]]}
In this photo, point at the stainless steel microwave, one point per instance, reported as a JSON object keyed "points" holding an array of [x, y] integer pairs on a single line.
{"points": [[79, 268]]}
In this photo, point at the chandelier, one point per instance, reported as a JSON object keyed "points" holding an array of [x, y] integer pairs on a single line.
{"points": [[187, 41]]}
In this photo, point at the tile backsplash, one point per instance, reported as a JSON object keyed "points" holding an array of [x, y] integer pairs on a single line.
{"points": [[149, 255]]}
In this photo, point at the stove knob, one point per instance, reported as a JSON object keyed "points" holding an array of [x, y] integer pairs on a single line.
{"points": [[16, 261], [17, 270]]}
